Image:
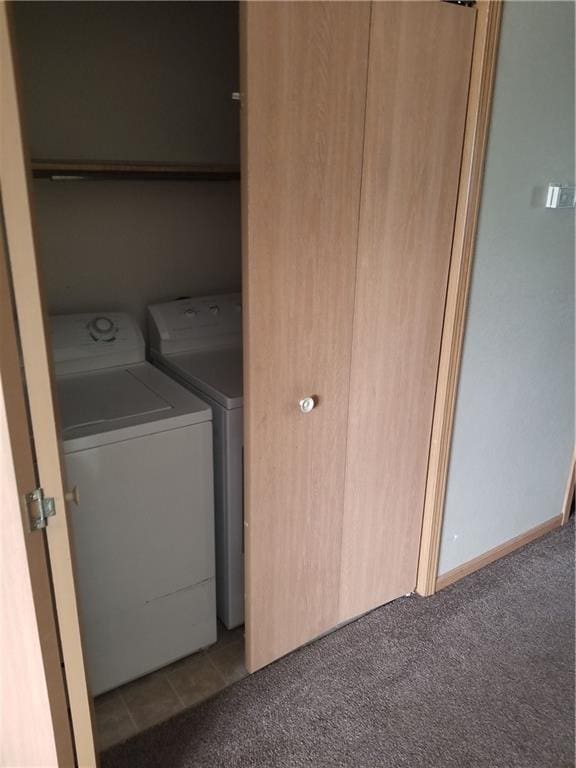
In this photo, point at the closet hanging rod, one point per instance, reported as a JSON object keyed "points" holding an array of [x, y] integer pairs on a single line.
{"points": [[76, 170]]}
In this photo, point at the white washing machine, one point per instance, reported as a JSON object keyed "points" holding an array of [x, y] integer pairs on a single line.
{"points": [[138, 447], [199, 342]]}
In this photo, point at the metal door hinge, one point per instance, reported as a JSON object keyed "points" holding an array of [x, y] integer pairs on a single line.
{"points": [[40, 508]]}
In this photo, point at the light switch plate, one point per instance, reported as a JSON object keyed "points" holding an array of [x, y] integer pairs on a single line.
{"points": [[560, 196]]}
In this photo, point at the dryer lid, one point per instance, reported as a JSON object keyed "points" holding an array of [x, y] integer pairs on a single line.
{"points": [[216, 373]]}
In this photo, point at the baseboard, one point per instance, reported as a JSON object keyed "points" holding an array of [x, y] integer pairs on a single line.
{"points": [[495, 554]]}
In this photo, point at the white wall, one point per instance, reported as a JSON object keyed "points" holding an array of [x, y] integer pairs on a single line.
{"points": [[139, 81], [514, 427]]}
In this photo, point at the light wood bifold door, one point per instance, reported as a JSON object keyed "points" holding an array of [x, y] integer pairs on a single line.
{"points": [[353, 121], [420, 58], [303, 107]]}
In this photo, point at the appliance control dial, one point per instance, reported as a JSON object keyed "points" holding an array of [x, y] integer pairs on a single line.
{"points": [[214, 309], [190, 312], [102, 328]]}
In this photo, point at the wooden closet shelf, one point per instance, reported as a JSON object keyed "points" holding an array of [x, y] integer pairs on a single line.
{"points": [[69, 170]]}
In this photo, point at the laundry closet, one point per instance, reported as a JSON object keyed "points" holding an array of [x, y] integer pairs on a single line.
{"points": [[312, 190], [139, 221]]}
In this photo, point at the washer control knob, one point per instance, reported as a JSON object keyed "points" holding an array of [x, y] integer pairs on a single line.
{"points": [[191, 312], [214, 309], [307, 404], [102, 328]]}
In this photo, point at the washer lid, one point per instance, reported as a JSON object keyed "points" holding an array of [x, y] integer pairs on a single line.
{"points": [[122, 403], [214, 372], [104, 397]]}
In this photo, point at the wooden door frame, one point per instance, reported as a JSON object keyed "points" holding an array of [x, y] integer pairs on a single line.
{"points": [[488, 20]]}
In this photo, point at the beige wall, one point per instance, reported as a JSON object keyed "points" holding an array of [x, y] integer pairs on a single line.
{"points": [[132, 81], [123, 244]]}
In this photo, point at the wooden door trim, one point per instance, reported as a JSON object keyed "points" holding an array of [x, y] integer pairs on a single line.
{"points": [[570, 490], [482, 77], [14, 183]]}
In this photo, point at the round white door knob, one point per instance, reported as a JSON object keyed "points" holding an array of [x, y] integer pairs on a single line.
{"points": [[307, 404]]}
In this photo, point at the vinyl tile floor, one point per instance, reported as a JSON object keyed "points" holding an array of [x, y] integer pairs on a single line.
{"points": [[125, 711]]}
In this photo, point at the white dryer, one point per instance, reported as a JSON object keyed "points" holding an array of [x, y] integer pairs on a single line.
{"points": [[198, 341], [139, 448]]}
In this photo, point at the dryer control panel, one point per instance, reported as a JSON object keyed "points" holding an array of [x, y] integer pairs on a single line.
{"points": [[205, 322], [90, 341]]}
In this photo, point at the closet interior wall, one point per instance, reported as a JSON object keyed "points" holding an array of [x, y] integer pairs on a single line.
{"points": [[151, 82]]}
